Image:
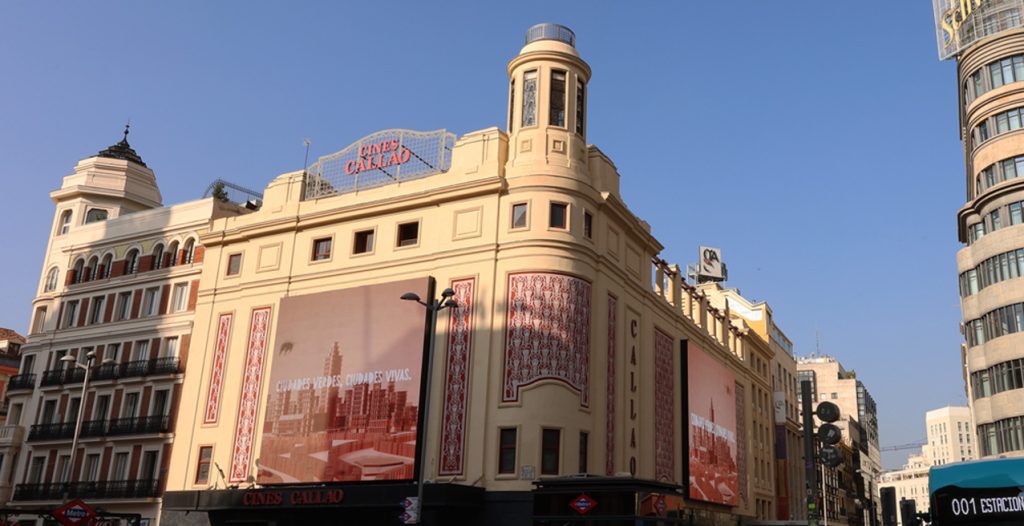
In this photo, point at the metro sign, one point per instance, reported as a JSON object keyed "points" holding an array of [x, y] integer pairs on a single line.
{"points": [[74, 513], [583, 504]]}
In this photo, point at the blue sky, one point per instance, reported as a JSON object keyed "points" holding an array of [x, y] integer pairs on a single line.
{"points": [[815, 142]]}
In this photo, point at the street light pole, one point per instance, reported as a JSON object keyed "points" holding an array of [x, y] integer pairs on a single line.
{"points": [[90, 356], [433, 306]]}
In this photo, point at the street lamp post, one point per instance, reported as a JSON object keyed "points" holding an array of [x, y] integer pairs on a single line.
{"points": [[433, 306], [90, 356]]}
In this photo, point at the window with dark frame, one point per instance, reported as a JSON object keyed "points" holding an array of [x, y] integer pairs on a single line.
{"points": [[408, 234], [234, 264], [549, 452], [519, 215], [584, 446], [556, 117], [363, 242], [203, 464], [507, 451], [322, 249], [580, 99], [558, 217], [511, 103], [588, 225]]}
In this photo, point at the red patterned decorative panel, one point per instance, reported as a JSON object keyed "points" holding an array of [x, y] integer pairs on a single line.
{"points": [[456, 384], [220, 354], [610, 409], [548, 333], [741, 438], [664, 408], [249, 402]]}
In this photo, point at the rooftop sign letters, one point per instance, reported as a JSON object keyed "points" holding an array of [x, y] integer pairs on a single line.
{"points": [[379, 159], [961, 23]]}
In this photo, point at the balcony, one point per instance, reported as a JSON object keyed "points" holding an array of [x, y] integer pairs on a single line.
{"points": [[11, 435], [102, 428], [72, 375], [22, 381], [113, 371], [109, 489]]}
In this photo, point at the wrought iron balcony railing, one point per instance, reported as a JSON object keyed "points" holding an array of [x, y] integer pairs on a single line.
{"points": [[22, 381], [62, 376], [99, 428], [139, 425], [108, 489], [112, 371]]}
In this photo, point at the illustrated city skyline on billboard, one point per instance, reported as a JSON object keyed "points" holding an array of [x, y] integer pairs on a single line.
{"points": [[711, 396]]}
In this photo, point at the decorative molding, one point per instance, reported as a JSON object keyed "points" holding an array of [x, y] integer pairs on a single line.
{"points": [[456, 385], [547, 335], [610, 409], [220, 355], [664, 408], [249, 401]]}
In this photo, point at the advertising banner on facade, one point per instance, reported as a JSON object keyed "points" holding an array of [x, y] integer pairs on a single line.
{"points": [[711, 399], [344, 388]]}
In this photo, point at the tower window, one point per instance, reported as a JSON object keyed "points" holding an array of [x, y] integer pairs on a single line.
{"points": [[511, 103], [409, 234], [322, 249], [51, 280], [530, 98], [234, 264], [559, 216], [520, 215], [580, 99], [95, 214], [588, 225], [557, 115], [65, 223], [363, 242]]}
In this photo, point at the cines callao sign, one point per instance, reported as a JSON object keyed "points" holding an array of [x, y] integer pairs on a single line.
{"points": [[961, 23]]}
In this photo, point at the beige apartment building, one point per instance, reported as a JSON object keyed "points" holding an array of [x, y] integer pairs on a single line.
{"points": [[556, 384], [949, 436], [910, 482], [109, 339], [987, 43]]}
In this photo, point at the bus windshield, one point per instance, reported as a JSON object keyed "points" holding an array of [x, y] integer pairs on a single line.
{"points": [[978, 493]]}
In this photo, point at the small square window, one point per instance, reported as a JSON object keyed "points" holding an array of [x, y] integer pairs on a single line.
{"points": [[322, 249], [520, 215], [363, 242], [408, 234], [559, 217], [234, 264], [588, 225]]}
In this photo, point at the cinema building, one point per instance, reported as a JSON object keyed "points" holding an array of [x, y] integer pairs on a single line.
{"points": [[563, 386], [107, 346], [986, 39]]}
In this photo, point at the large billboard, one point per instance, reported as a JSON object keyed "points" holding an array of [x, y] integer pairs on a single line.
{"points": [[711, 405], [345, 387], [961, 23]]}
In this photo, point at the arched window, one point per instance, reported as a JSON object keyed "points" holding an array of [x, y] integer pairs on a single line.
{"points": [[107, 261], [190, 249], [51, 280], [65, 223], [94, 263], [131, 262], [158, 255], [173, 249], [79, 269], [95, 214]]}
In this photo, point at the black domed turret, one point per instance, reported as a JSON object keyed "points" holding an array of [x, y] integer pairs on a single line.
{"points": [[122, 150]]}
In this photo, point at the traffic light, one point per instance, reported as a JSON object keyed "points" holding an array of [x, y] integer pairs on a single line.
{"points": [[888, 495], [829, 434], [908, 512]]}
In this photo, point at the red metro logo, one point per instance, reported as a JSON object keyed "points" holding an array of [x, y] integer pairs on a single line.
{"points": [[583, 504], [378, 155]]}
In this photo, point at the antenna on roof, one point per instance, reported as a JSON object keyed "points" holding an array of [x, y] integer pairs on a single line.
{"points": [[305, 160]]}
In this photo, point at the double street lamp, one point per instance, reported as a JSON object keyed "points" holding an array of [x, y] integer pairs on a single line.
{"points": [[433, 306]]}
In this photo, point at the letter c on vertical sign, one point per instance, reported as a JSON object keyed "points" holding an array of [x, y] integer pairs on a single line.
{"points": [[633, 328]]}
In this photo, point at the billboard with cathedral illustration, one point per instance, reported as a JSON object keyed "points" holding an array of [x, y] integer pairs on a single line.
{"points": [[344, 391], [713, 453]]}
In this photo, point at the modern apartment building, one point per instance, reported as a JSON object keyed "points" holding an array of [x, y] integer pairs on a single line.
{"points": [[949, 436], [987, 41], [910, 482], [108, 342], [558, 384]]}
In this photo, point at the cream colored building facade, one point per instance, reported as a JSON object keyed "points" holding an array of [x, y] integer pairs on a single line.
{"points": [[535, 211], [990, 73], [910, 482], [949, 435]]}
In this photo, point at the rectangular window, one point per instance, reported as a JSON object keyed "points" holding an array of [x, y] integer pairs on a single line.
{"points": [[170, 348], [71, 314], [39, 320], [322, 249], [511, 103], [1015, 213], [408, 234], [580, 87], [35, 472], [529, 98], [64, 468], [92, 467], [124, 306], [179, 297], [588, 225], [584, 446], [363, 242], [140, 351], [994, 220], [549, 451], [120, 468], [96, 309], [234, 264], [556, 116], [520, 215], [507, 451], [559, 216], [203, 464], [150, 301]]}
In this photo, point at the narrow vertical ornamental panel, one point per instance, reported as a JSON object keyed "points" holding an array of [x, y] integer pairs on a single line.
{"points": [[547, 333], [664, 408], [248, 403], [610, 407], [456, 385], [220, 354], [741, 438]]}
